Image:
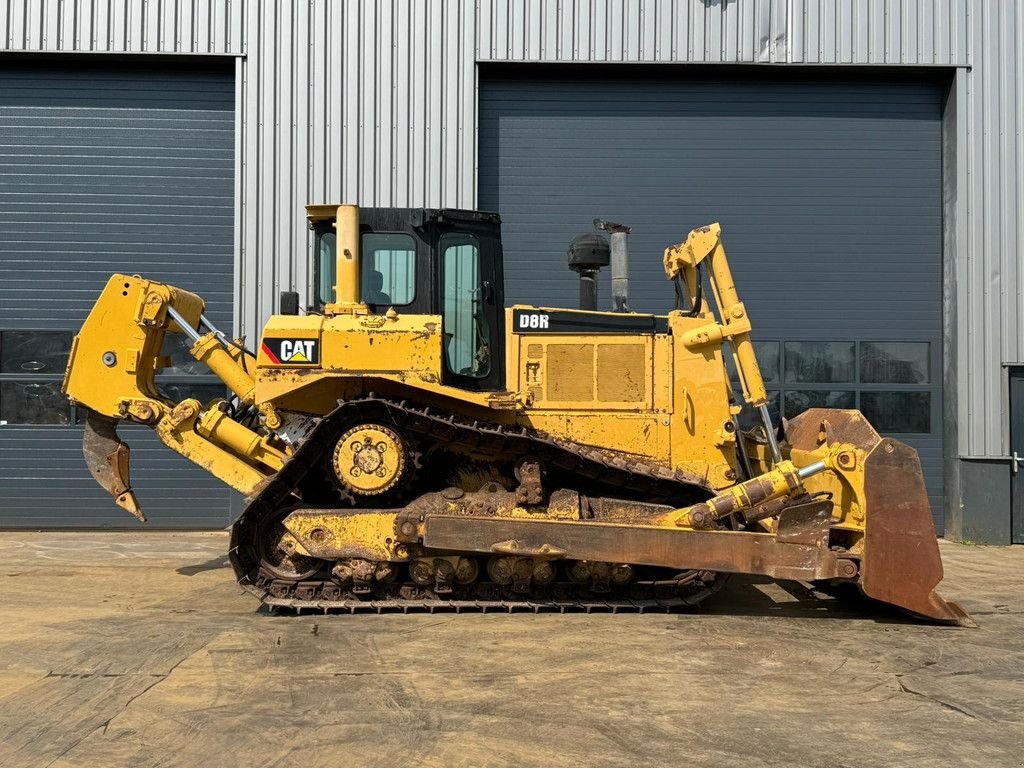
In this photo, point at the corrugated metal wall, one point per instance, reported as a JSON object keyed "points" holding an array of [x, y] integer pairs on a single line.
{"points": [[371, 102], [724, 31], [124, 26], [374, 101], [990, 224]]}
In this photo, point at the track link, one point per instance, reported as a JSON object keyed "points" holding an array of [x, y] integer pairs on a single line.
{"points": [[611, 471]]}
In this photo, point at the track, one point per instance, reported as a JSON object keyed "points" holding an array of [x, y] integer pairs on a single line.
{"points": [[613, 473], [592, 604]]}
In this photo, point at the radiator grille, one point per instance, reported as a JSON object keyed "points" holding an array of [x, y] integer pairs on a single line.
{"points": [[570, 372], [621, 373]]}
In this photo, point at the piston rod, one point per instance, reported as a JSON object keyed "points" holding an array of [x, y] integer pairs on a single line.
{"points": [[812, 469], [769, 429], [187, 329], [214, 330]]}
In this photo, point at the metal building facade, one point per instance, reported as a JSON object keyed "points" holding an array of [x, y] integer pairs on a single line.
{"points": [[375, 102]]}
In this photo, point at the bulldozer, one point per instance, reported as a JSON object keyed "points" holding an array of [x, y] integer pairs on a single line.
{"points": [[408, 442]]}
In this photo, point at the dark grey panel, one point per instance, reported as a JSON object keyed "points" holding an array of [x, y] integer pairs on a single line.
{"points": [[828, 192], [109, 168], [1016, 450], [984, 500]]}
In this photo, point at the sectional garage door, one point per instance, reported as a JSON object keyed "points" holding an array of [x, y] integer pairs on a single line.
{"points": [[828, 192], [102, 169]]}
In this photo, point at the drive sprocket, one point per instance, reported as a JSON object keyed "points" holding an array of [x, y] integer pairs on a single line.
{"points": [[369, 459]]}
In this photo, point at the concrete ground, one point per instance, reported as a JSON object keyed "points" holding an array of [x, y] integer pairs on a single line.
{"points": [[139, 650]]}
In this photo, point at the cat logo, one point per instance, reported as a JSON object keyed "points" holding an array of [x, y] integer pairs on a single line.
{"points": [[292, 351]]}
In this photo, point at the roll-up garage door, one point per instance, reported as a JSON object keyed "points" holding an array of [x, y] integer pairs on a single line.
{"points": [[114, 168], [828, 192]]}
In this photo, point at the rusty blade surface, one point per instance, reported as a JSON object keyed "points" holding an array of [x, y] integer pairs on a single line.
{"points": [[108, 460], [902, 564], [827, 425]]}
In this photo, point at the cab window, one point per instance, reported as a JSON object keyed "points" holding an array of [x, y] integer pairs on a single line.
{"points": [[467, 345], [388, 269]]}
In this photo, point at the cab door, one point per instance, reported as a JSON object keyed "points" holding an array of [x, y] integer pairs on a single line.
{"points": [[470, 300]]}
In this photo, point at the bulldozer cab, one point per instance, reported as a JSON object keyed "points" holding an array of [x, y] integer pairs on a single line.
{"points": [[425, 261]]}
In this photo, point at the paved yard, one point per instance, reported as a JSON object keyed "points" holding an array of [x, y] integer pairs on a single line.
{"points": [[139, 650]]}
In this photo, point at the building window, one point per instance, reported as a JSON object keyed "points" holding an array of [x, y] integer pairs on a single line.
{"points": [[768, 358], [32, 367], [34, 352], [891, 382], [895, 362], [799, 400], [33, 402], [819, 362], [908, 412]]}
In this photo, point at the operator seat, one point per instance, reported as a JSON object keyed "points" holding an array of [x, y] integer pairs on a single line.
{"points": [[373, 281]]}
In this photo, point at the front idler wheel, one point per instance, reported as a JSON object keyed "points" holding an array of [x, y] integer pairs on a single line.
{"points": [[277, 551]]}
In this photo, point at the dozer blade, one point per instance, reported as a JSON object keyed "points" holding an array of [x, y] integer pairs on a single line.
{"points": [[901, 562], [107, 458]]}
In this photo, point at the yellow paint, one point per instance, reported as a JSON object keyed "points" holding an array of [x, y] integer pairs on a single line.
{"points": [[219, 428], [126, 327], [112, 367], [369, 535], [845, 482], [682, 261], [346, 290], [181, 436]]}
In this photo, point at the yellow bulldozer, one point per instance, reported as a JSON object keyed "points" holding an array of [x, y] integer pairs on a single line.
{"points": [[407, 442]]}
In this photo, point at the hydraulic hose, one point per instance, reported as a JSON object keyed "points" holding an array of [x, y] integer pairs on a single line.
{"points": [[698, 299]]}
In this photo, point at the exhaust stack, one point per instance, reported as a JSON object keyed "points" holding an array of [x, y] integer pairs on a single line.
{"points": [[620, 262]]}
